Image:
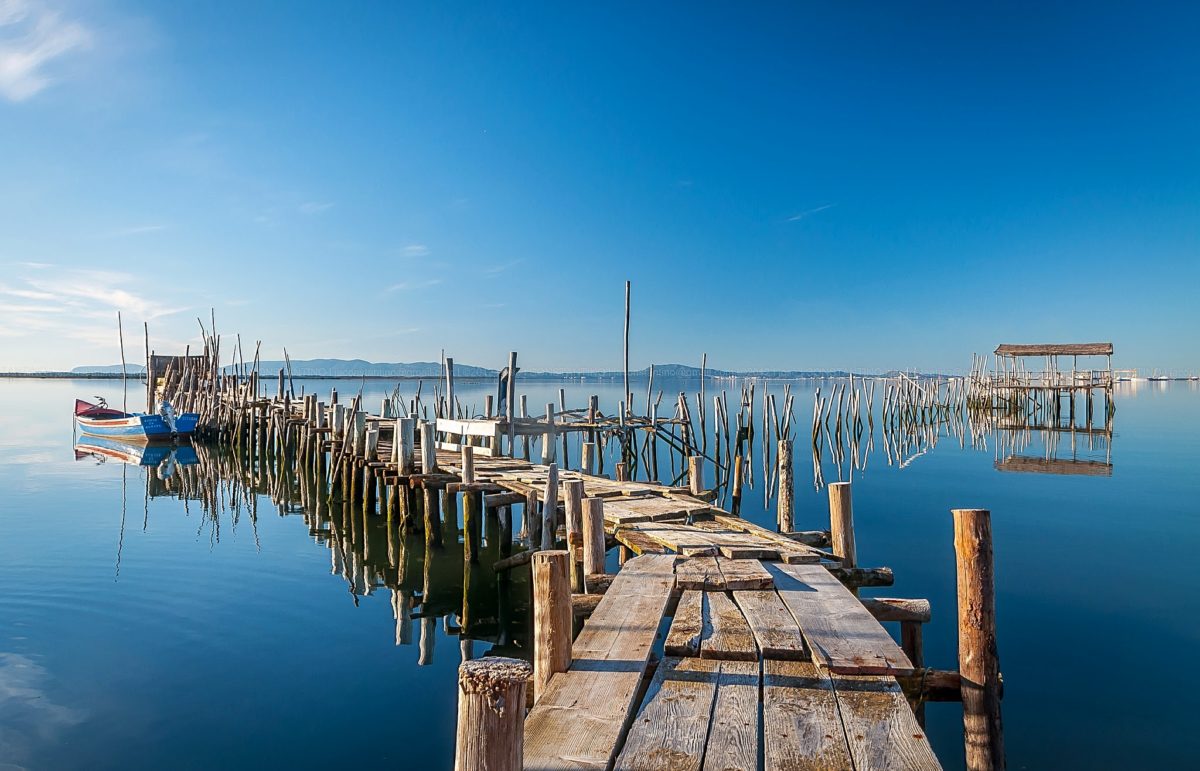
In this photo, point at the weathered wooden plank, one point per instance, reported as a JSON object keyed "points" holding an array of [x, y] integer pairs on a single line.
{"points": [[699, 573], [679, 538], [733, 734], [584, 711], [881, 730], [840, 633], [638, 542], [671, 729], [730, 637], [687, 627], [802, 728], [744, 574], [791, 552], [775, 631]]}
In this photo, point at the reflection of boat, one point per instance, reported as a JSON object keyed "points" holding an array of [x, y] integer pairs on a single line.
{"points": [[100, 420], [104, 448]]}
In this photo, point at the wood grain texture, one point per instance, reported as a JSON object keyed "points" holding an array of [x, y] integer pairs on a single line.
{"points": [[839, 632], [699, 573], [733, 732], [881, 730], [730, 637], [688, 627], [775, 631], [739, 574], [671, 729], [802, 728], [584, 711]]}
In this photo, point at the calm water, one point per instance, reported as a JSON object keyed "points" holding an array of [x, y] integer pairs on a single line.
{"points": [[145, 632]]}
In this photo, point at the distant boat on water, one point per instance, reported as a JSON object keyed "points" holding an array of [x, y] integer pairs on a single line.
{"points": [[103, 421]]}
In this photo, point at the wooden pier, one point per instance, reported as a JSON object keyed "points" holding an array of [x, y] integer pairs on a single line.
{"points": [[717, 643]]}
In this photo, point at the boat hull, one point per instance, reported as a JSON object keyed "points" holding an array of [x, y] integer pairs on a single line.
{"points": [[133, 428], [98, 420]]}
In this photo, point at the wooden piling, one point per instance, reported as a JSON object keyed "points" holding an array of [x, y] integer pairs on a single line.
{"points": [[428, 448], [593, 536], [573, 506], [978, 661], [696, 474], [491, 714], [785, 505], [587, 460], [550, 508], [468, 464], [841, 523], [551, 617]]}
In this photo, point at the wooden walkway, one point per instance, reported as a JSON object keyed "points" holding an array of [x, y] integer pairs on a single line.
{"points": [[792, 674], [768, 660]]}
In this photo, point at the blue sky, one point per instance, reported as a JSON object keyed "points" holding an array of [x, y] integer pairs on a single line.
{"points": [[788, 186]]}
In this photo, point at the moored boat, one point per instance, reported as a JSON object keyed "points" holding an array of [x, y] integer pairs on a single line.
{"points": [[102, 420]]}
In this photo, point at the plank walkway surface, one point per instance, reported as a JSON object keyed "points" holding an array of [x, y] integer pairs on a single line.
{"points": [[798, 665], [721, 636]]}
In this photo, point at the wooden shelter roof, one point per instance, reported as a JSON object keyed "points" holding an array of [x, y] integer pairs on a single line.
{"points": [[1056, 349]]}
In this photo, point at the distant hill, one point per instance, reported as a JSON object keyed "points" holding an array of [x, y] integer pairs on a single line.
{"points": [[108, 369], [351, 368]]}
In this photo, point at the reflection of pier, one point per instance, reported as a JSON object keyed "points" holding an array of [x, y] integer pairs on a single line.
{"points": [[1061, 443]]}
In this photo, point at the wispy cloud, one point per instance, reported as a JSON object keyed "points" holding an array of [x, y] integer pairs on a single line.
{"points": [[74, 304], [493, 270], [407, 285], [809, 212], [314, 207], [32, 37], [415, 250], [136, 230]]}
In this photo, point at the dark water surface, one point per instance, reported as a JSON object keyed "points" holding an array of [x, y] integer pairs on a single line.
{"points": [[142, 632]]}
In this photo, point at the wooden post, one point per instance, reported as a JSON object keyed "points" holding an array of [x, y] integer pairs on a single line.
{"points": [[622, 471], [551, 617], [468, 464], [451, 410], [573, 505], [593, 536], [786, 511], [510, 396], [913, 644], [472, 511], [550, 508], [587, 461], [406, 440], [625, 393], [841, 523], [491, 714], [696, 474], [548, 437], [978, 661], [428, 448]]}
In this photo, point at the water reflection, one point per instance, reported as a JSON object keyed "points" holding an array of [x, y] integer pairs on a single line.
{"points": [[430, 583]]}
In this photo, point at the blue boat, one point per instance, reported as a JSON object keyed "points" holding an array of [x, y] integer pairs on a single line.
{"points": [[101, 420]]}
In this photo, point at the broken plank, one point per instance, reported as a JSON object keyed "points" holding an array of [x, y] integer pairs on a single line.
{"points": [[801, 724], [687, 627], [671, 729], [733, 734], [730, 638], [638, 542], [775, 631], [840, 633], [881, 730]]}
